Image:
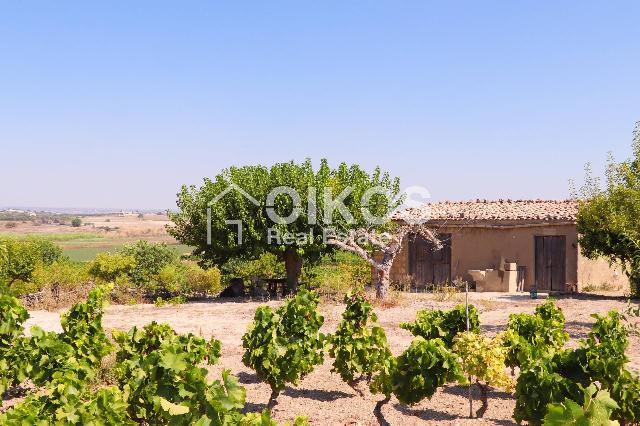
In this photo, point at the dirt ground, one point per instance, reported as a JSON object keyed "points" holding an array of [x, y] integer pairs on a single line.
{"points": [[322, 396]]}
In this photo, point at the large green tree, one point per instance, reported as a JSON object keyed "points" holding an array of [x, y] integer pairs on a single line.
{"points": [[609, 217], [329, 198]]}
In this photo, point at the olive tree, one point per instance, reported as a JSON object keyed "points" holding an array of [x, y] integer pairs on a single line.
{"points": [[608, 217], [286, 209]]}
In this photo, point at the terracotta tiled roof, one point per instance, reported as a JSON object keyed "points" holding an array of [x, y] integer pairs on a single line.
{"points": [[493, 210]]}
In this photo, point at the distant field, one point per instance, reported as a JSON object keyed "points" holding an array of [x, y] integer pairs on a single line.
{"points": [[99, 234], [85, 254]]}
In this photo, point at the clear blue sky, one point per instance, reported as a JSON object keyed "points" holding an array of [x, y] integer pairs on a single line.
{"points": [[117, 104]]}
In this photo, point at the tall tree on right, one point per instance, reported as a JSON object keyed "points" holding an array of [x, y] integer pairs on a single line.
{"points": [[609, 218]]}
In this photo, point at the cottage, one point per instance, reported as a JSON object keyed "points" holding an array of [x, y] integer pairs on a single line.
{"points": [[503, 245]]}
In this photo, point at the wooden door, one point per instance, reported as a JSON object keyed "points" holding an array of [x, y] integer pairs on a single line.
{"points": [[550, 263], [427, 265]]}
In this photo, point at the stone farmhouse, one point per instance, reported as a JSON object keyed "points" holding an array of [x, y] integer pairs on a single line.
{"points": [[503, 245]]}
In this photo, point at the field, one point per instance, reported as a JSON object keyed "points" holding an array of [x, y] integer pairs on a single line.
{"points": [[322, 396], [98, 233]]}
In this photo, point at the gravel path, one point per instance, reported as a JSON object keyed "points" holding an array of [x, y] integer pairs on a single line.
{"points": [[322, 396]]}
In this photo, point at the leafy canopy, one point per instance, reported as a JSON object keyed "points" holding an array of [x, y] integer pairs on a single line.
{"points": [[190, 223], [608, 217]]}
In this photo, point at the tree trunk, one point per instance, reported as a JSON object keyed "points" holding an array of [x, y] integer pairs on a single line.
{"points": [[382, 285], [293, 266], [273, 400], [484, 390], [377, 411]]}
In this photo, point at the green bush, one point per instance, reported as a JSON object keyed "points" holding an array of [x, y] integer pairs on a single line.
{"points": [[595, 410], [268, 265], [165, 384], [530, 337], [76, 222], [286, 345], [359, 345], [149, 260], [20, 258], [64, 273], [445, 325], [419, 371], [110, 266], [186, 279], [338, 273]]}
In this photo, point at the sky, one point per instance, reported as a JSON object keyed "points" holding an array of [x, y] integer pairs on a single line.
{"points": [[117, 104]]}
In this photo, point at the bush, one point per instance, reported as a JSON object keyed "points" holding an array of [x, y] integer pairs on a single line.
{"points": [[187, 279], [63, 273], [596, 410], [268, 265], [445, 325], [160, 369], [149, 260], [359, 346], [338, 273], [529, 337], [20, 258], [419, 371], [112, 266], [76, 222], [483, 358], [286, 345]]}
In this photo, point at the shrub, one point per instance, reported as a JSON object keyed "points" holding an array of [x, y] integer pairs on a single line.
{"points": [[338, 273], [20, 258], [596, 410], [445, 325], [529, 337], [111, 266], [76, 222], [165, 385], [286, 345], [149, 260], [268, 265], [416, 373], [12, 316], [186, 279], [483, 358], [64, 273], [359, 346]]}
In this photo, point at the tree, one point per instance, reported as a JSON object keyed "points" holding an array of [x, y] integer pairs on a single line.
{"points": [[76, 222], [608, 218], [334, 200], [381, 248]]}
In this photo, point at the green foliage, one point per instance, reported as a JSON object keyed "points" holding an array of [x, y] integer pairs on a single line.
{"points": [[19, 258], [608, 218], [560, 374], [419, 371], [445, 325], [69, 401], [186, 279], [530, 337], [63, 273], [359, 346], [286, 345], [595, 410], [149, 260], [190, 223], [159, 371], [338, 273], [267, 265], [484, 358], [12, 316], [76, 222], [111, 266]]}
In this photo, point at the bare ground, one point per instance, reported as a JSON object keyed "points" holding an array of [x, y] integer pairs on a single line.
{"points": [[322, 396]]}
